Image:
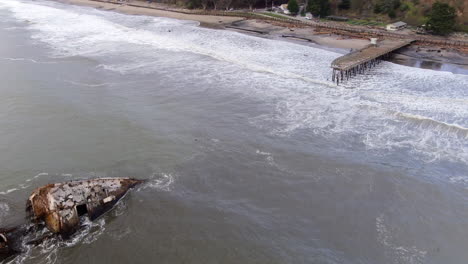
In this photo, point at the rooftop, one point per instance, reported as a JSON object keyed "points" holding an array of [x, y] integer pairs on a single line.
{"points": [[399, 24]]}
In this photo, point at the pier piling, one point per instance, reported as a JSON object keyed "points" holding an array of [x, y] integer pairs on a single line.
{"points": [[357, 62]]}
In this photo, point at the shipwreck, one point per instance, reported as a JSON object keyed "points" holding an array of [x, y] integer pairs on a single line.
{"points": [[60, 207]]}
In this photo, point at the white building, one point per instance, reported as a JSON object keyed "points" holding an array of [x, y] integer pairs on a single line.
{"points": [[284, 8], [396, 26]]}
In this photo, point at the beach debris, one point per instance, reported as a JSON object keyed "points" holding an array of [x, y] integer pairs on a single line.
{"points": [[60, 206]]}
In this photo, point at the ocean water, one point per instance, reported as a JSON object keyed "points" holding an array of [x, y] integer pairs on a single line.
{"points": [[253, 155]]}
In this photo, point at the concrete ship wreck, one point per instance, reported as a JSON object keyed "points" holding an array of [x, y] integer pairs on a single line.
{"points": [[59, 206]]}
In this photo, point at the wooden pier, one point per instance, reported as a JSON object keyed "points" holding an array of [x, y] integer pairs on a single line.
{"points": [[358, 61]]}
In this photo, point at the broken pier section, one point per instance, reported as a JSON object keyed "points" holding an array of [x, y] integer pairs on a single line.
{"points": [[358, 61]]}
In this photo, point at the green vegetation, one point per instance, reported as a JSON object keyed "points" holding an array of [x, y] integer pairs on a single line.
{"points": [[365, 23], [275, 15], [388, 7], [319, 7], [441, 19], [293, 7], [461, 28], [411, 14]]}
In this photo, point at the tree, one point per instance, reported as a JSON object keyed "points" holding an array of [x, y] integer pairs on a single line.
{"points": [[319, 7], [313, 6], [441, 18], [226, 4], [215, 4], [386, 6], [204, 3], [250, 3], [293, 7], [345, 4]]}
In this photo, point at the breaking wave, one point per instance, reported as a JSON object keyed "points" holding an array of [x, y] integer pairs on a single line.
{"points": [[89, 32], [422, 112], [429, 123]]}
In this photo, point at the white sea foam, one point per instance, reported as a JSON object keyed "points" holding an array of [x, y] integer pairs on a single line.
{"points": [[394, 107], [268, 156], [47, 251], [22, 186], [9, 191], [4, 210], [160, 181], [38, 176], [28, 60]]}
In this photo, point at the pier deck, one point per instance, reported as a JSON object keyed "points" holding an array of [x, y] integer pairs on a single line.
{"points": [[357, 61]]}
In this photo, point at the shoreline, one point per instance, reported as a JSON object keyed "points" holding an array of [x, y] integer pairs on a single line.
{"points": [[425, 57]]}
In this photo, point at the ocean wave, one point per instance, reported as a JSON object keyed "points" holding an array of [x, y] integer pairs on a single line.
{"points": [[9, 191], [97, 33], [28, 60], [28, 182], [391, 108], [429, 123]]}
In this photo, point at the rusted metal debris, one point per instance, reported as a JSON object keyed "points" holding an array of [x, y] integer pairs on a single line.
{"points": [[59, 206]]}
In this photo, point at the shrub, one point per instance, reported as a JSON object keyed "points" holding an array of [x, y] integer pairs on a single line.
{"points": [[404, 7], [293, 7], [441, 19], [319, 7]]}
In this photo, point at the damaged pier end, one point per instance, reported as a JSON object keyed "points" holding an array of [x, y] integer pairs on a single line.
{"points": [[60, 205], [358, 61]]}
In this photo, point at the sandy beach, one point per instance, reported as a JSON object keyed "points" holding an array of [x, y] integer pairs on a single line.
{"points": [[205, 21]]}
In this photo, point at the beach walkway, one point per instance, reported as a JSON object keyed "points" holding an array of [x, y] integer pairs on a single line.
{"points": [[358, 61]]}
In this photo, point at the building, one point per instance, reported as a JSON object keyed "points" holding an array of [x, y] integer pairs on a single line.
{"points": [[396, 26], [284, 8]]}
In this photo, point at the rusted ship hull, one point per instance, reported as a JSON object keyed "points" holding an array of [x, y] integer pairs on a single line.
{"points": [[61, 205]]}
